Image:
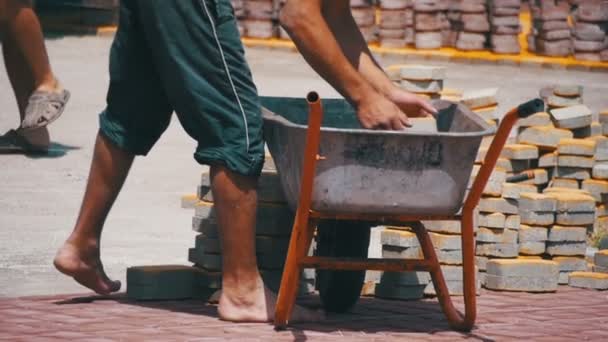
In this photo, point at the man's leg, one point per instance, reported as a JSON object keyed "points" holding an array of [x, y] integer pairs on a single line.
{"points": [[21, 24], [244, 297], [79, 257]]}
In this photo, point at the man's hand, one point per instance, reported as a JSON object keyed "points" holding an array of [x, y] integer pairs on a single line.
{"points": [[413, 105], [375, 111]]}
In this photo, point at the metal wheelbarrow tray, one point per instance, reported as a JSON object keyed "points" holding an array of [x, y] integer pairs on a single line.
{"points": [[330, 169], [378, 172]]}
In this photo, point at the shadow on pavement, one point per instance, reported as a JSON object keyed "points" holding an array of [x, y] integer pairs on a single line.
{"points": [[369, 316]]}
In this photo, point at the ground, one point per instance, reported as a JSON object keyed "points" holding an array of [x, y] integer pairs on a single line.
{"points": [[40, 196]]}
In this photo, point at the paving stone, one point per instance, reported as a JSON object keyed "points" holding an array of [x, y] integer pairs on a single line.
{"points": [[272, 219], [455, 288], [575, 219], [481, 262], [575, 161], [595, 129], [498, 205], [399, 292], [163, 282], [599, 269], [540, 177], [532, 234], [572, 117], [567, 233], [536, 119], [601, 147], [495, 182], [445, 241], [572, 173], [532, 248], [533, 201], [513, 165], [522, 283], [570, 264], [480, 98], [537, 218], [596, 188], [564, 183], [577, 147], [566, 248], [555, 101], [398, 238], [426, 87], [394, 252], [572, 202], [589, 280], [405, 278], [491, 220], [601, 258], [499, 250], [469, 41], [188, 201], [543, 136], [449, 227], [512, 222], [506, 236], [558, 190], [513, 190], [213, 262], [548, 160], [521, 267], [568, 90], [428, 40], [600, 171], [519, 151], [422, 72], [563, 278]]}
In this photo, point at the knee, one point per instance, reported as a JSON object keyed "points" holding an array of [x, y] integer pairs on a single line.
{"points": [[10, 8]]}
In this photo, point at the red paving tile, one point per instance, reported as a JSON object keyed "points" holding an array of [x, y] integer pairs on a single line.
{"points": [[569, 314]]}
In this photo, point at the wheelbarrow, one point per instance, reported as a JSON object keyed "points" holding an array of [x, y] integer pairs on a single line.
{"points": [[345, 179]]}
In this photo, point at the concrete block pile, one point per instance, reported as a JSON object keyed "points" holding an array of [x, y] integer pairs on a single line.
{"points": [[259, 18], [597, 277], [590, 26], [423, 80], [473, 27], [402, 243], [430, 23], [396, 23], [273, 228], [550, 35], [505, 25], [364, 13]]}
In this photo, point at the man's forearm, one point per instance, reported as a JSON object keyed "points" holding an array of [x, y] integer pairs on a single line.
{"points": [[316, 42], [342, 24]]}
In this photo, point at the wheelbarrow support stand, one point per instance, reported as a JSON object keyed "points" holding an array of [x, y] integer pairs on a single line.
{"points": [[306, 219]]}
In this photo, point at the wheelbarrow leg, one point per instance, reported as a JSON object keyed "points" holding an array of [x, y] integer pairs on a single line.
{"points": [[454, 317], [301, 238]]}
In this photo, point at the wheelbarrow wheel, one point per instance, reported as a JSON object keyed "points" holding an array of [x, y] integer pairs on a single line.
{"points": [[340, 290]]}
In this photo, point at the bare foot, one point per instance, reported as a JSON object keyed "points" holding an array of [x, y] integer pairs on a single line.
{"points": [[85, 268], [259, 306]]}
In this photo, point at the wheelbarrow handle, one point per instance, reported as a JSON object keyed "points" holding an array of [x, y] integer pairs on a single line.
{"points": [[502, 134]]}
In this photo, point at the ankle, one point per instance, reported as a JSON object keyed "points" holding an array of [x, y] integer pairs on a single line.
{"points": [[49, 84], [243, 292]]}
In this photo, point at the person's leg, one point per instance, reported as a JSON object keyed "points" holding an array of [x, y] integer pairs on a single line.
{"points": [[23, 84], [22, 26], [80, 255], [209, 85]]}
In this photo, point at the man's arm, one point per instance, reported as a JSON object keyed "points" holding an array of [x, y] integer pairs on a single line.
{"points": [[304, 22], [339, 18]]}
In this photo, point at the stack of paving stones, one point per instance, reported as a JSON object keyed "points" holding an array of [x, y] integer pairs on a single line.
{"points": [[423, 80], [402, 243], [473, 27], [260, 18], [396, 23], [273, 228], [430, 23], [240, 14], [505, 26], [482, 102], [590, 26], [550, 35], [597, 278], [364, 13]]}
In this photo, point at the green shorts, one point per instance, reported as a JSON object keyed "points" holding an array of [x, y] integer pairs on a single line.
{"points": [[185, 57]]}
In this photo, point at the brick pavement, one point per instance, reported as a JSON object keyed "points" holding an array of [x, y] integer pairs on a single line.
{"points": [[570, 314]]}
